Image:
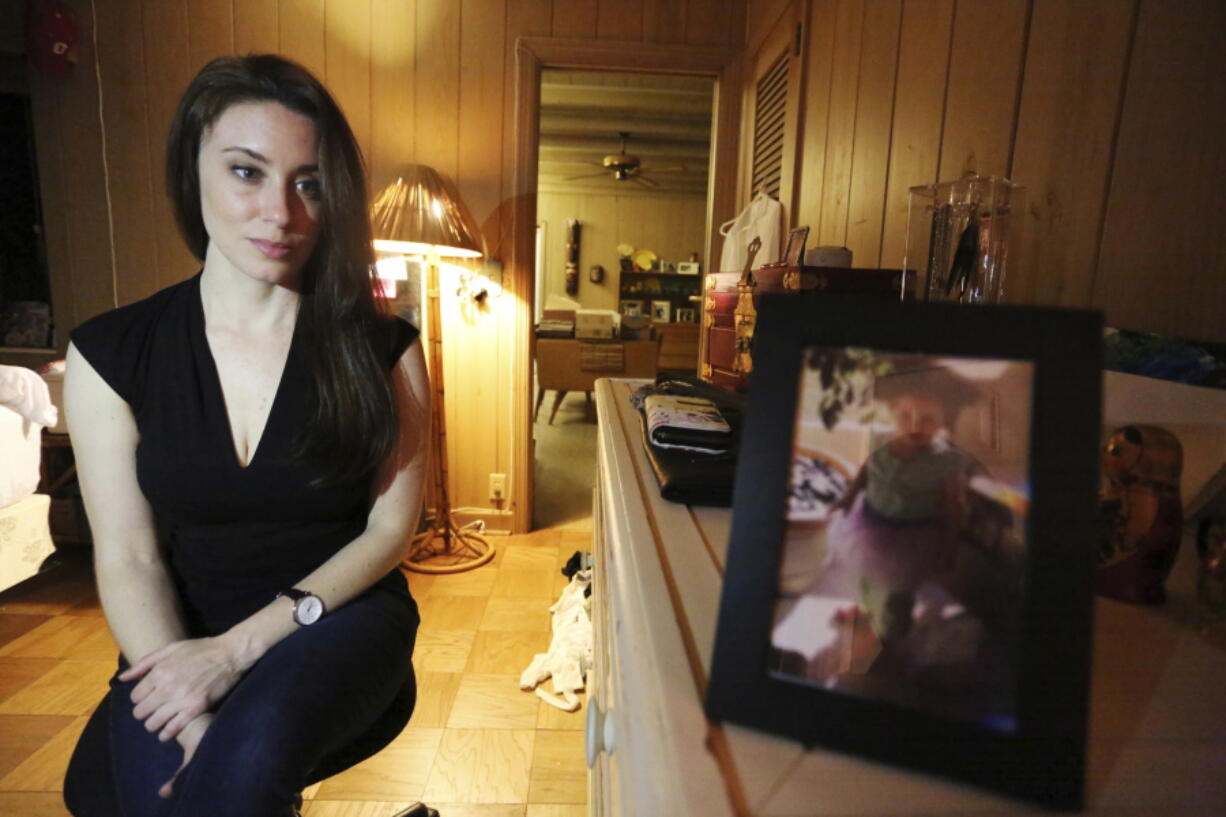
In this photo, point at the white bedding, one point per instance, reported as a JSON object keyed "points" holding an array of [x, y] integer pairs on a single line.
{"points": [[25, 407], [25, 534], [25, 539]]}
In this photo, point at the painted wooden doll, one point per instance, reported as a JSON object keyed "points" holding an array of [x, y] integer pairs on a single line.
{"points": [[1141, 514]]}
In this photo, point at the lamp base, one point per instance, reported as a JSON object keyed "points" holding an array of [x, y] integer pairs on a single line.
{"points": [[445, 548]]}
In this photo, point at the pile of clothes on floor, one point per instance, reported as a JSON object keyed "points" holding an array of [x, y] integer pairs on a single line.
{"points": [[570, 650]]}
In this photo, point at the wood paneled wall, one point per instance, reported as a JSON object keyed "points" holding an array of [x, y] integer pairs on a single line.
{"points": [[670, 226], [1109, 111], [421, 81]]}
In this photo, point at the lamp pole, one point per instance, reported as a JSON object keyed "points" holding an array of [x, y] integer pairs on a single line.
{"points": [[443, 547]]}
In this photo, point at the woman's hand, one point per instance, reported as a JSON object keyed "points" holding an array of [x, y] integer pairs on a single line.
{"points": [[844, 502], [189, 739], [179, 682]]}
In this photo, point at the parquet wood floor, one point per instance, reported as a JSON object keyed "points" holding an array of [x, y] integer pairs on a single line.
{"points": [[477, 745]]}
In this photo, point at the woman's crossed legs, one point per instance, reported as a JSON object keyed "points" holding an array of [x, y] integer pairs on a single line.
{"points": [[318, 702]]}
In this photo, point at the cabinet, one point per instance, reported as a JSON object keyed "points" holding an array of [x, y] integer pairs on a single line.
{"points": [[678, 346], [1157, 713], [563, 364], [638, 291]]}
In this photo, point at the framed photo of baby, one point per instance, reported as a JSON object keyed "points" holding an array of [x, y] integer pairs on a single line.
{"points": [[926, 512]]}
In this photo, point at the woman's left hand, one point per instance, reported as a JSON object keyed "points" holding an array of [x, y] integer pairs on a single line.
{"points": [[179, 682]]}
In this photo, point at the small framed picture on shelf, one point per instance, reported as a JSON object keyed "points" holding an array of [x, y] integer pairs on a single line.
{"points": [[918, 591], [685, 315], [631, 309], [795, 253], [661, 311], [688, 267]]}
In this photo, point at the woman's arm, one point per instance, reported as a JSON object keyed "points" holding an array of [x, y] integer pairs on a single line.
{"points": [[137, 594], [185, 678], [389, 526]]}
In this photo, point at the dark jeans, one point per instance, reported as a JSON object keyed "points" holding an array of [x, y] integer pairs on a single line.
{"points": [[323, 699]]}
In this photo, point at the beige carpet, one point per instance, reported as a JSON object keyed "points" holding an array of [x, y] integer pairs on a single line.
{"points": [[565, 463]]}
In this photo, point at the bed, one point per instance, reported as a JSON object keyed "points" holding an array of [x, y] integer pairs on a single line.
{"points": [[25, 534]]}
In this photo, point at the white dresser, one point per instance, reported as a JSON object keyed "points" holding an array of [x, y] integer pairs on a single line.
{"points": [[1158, 708]]}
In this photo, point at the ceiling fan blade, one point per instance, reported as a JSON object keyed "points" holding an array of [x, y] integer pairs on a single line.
{"points": [[645, 182], [673, 169], [584, 176]]}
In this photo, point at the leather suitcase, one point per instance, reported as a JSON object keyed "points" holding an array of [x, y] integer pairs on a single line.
{"points": [[720, 365]]}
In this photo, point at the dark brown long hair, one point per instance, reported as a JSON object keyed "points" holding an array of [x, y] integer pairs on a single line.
{"points": [[353, 425]]}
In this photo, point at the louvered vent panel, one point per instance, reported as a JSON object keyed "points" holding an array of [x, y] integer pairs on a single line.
{"points": [[770, 109]]}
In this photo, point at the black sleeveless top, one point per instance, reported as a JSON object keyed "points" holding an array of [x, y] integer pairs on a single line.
{"points": [[236, 535]]}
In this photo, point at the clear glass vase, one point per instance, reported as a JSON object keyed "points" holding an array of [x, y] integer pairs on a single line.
{"points": [[960, 235]]}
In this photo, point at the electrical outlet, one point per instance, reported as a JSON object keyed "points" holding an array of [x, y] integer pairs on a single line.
{"points": [[498, 487]]}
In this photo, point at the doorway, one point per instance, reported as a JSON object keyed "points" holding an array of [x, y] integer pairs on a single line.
{"points": [[623, 171], [533, 56]]}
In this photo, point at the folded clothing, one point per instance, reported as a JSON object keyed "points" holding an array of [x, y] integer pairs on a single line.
{"points": [[687, 423]]}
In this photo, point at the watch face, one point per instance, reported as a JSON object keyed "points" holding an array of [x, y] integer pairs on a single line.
{"points": [[309, 609]]}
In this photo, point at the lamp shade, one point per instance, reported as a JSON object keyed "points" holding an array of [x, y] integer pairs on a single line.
{"points": [[419, 213]]}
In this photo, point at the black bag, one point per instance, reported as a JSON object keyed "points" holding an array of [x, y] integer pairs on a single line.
{"points": [[686, 476]]}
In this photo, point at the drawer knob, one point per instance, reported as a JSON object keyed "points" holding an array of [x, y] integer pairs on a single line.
{"points": [[598, 736]]}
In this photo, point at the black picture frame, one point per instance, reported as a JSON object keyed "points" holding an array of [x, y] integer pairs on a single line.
{"points": [[1040, 756]]}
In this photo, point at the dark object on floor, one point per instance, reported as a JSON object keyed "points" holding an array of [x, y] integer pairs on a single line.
{"points": [[574, 564], [579, 560], [417, 810]]}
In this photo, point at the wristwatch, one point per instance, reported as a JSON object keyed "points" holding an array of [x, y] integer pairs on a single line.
{"points": [[308, 607]]}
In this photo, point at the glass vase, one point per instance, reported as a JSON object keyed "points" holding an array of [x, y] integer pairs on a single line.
{"points": [[960, 237]]}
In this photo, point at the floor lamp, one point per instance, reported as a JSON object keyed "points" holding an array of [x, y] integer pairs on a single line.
{"points": [[419, 215]]}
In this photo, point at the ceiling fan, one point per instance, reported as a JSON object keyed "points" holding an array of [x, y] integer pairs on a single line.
{"points": [[624, 166]]}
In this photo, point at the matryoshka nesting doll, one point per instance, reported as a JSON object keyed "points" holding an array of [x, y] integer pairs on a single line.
{"points": [[1140, 514]]}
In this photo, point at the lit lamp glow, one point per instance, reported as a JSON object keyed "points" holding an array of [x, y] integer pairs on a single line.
{"points": [[419, 214], [389, 270]]}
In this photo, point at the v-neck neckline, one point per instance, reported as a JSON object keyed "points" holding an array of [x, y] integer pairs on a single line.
{"points": [[219, 393]]}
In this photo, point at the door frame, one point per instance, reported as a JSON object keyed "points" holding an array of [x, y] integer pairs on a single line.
{"points": [[532, 54]]}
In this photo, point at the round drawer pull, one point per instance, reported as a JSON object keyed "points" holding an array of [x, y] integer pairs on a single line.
{"points": [[599, 734]]}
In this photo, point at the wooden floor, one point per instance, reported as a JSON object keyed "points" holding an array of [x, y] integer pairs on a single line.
{"points": [[477, 745]]}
